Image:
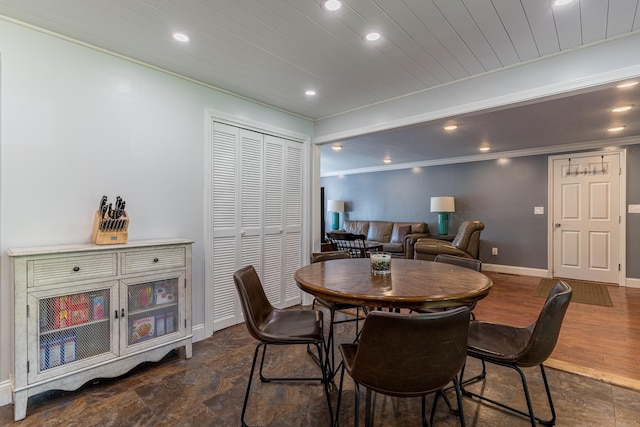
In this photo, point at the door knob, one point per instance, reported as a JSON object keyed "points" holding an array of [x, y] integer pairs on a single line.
{"points": [[557, 224]]}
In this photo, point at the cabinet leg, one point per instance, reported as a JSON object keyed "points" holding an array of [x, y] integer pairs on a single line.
{"points": [[20, 405], [185, 352]]}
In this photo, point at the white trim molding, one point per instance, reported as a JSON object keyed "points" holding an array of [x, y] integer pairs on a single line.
{"points": [[514, 270], [5, 393]]}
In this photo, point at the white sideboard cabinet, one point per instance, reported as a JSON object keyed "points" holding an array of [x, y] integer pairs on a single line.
{"points": [[88, 311]]}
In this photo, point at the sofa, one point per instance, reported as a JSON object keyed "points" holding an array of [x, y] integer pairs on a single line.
{"points": [[466, 244], [397, 238]]}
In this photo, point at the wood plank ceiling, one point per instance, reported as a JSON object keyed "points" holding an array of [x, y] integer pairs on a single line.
{"points": [[272, 51]]}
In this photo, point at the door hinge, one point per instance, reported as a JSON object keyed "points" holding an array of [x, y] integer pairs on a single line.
{"points": [[185, 283], [27, 310], [185, 323], [619, 268], [27, 366]]}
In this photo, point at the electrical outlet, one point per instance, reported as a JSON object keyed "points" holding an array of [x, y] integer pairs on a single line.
{"points": [[494, 251]]}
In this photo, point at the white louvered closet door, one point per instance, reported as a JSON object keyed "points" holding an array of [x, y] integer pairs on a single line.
{"points": [[251, 200], [257, 215], [272, 277], [225, 225], [293, 221]]}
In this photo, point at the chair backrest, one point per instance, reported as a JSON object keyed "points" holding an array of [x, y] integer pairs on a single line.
{"points": [[328, 256], [468, 237], [255, 304], [473, 264], [546, 329], [354, 243], [411, 355]]}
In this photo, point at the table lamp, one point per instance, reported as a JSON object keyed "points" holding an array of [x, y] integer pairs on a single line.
{"points": [[335, 206], [443, 205]]}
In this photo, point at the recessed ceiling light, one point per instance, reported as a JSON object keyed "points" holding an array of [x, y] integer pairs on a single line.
{"points": [[337, 147], [562, 2], [485, 148], [181, 37], [451, 127], [372, 36], [387, 160], [332, 5], [627, 84], [310, 92], [616, 128], [622, 109]]}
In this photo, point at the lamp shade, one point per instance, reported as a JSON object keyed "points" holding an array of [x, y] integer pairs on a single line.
{"points": [[443, 204], [335, 205]]}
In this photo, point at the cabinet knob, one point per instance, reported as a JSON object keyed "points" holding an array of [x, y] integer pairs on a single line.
{"points": [[116, 313], [122, 313], [156, 260], [76, 268]]}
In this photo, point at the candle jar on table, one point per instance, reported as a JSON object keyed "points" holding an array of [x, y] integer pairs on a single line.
{"points": [[380, 263]]}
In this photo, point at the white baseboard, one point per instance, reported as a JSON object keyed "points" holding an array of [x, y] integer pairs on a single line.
{"points": [[199, 332], [5, 393], [507, 269], [522, 271], [633, 283]]}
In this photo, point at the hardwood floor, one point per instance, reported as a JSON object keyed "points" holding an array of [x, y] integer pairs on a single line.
{"points": [[600, 342]]}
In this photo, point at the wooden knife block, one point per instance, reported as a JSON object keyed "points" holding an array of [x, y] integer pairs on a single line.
{"points": [[110, 237]]}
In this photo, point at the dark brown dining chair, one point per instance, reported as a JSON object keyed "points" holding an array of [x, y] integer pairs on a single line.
{"points": [[354, 243], [335, 306], [407, 355], [520, 347], [470, 263], [272, 326]]}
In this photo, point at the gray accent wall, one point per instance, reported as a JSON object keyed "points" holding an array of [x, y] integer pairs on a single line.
{"points": [[502, 194]]}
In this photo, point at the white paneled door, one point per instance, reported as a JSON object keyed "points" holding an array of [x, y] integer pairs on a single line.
{"points": [[586, 217]]}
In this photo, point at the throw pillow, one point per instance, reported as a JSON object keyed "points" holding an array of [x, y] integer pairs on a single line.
{"points": [[402, 233]]}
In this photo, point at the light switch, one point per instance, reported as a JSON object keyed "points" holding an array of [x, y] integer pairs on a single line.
{"points": [[538, 210], [634, 208]]}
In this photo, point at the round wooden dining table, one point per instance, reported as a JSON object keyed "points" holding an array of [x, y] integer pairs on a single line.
{"points": [[412, 283]]}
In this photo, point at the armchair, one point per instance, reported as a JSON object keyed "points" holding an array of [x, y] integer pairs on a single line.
{"points": [[466, 244]]}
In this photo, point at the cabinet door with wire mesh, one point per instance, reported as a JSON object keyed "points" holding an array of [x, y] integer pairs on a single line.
{"points": [[75, 326], [154, 307]]}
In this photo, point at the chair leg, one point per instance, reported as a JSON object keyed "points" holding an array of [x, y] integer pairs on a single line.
{"points": [[459, 398], [424, 410], [433, 407], [530, 414], [325, 380], [262, 377], [246, 395], [356, 413], [337, 419], [552, 421], [472, 380]]}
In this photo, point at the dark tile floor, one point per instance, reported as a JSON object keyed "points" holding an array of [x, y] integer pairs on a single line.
{"points": [[208, 390]]}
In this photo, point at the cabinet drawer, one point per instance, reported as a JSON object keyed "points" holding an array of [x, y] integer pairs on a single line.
{"points": [[46, 271], [153, 259]]}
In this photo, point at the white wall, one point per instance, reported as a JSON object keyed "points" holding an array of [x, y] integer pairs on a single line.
{"points": [[77, 123]]}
